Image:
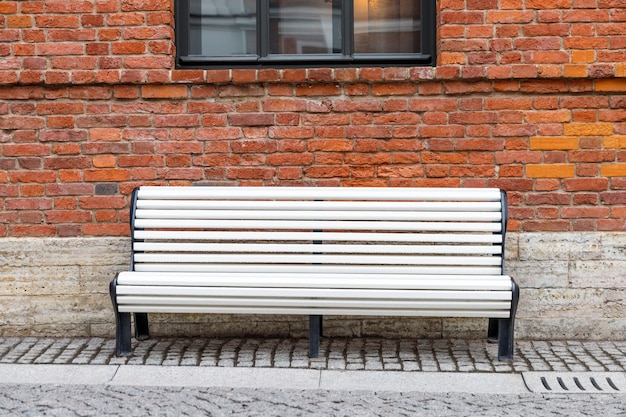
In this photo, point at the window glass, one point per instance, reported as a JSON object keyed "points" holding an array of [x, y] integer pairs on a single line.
{"points": [[304, 27], [280, 33], [386, 26], [222, 27]]}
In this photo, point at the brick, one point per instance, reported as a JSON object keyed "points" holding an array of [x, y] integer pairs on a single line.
{"points": [[284, 105], [101, 202], [585, 184], [21, 122], [289, 159], [125, 19], [16, 150], [550, 171], [588, 129], [177, 121], [251, 119], [145, 5], [613, 197], [610, 85], [105, 134], [318, 90], [60, 35], [104, 161], [510, 16], [8, 7], [329, 171], [92, 20], [291, 132], [105, 230], [330, 145], [151, 32], [68, 216], [188, 76], [139, 161], [128, 48], [19, 21], [251, 173], [28, 203], [390, 89], [615, 141], [462, 17], [32, 231], [401, 171], [148, 62], [590, 156], [67, 162], [613, 170], [106, 175], [553, 143], [60, 108]]}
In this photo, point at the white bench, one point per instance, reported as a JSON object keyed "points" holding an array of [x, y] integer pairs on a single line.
{"points": [[431, 252]]}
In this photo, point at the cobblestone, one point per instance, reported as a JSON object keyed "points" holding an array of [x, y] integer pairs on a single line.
{"points": [[71, 401], [442, 355]]}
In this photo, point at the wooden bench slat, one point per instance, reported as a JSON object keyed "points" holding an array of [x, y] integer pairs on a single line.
{"points": [[317, 311], [298, 269], [396, 216], [303, 293], [196, 235], [314, 248], [319, 225], [317, 280], [319, 193], [453, 206], [313, 303], [321, 258]]}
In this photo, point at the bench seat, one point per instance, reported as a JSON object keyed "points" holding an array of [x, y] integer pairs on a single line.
{"points": [[317, 251]]}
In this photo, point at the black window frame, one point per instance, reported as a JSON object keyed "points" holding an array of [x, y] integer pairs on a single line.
{"points": [[266, 60]]}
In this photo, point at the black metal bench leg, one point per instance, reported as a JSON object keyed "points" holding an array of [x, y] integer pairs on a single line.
{"points": [[122, 325], [506, 330], [122, 334], [142, 330], [315, 333], [492, 331]]}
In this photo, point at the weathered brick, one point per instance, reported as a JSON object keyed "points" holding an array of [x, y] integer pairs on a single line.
{"points": [[550, 171], [145, 5], [588, 129], [610, 85], [553, 143], [613, 170]]}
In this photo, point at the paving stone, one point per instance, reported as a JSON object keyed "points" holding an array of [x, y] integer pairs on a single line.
{"points": [[347, 354]]}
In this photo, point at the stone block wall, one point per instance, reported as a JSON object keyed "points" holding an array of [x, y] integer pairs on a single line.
{"points": [[572, 287]]}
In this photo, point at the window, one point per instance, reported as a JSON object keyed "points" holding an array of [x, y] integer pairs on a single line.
{"points": [[275, 33]]}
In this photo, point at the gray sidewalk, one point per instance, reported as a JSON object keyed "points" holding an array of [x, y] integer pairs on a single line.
{"points": [[274, 377]]}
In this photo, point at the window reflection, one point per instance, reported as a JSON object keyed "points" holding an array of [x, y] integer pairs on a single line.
{"points": [[305, 26], [386, 26], [301, 27], [222, 27]]}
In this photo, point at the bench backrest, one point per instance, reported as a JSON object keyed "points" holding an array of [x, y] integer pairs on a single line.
{"points": [[430, 231]]}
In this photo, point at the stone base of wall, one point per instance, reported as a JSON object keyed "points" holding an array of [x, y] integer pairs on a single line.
{"points": [[573, 287]]}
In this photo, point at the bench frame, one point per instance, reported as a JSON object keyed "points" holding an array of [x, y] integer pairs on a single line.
{"points": [[500, 329]]}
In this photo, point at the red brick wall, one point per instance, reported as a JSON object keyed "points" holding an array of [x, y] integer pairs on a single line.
{"points": [[527, 96]]}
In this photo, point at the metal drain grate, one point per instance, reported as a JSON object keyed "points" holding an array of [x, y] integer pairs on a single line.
{"points": [[576, 382]]}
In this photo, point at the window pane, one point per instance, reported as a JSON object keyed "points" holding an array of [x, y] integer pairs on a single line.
{"points": [[305, 26], [387, 26], [222, 27]]}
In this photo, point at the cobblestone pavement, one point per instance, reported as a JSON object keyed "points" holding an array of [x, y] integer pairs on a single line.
{"points": [[443, 355], [70, 401], [67, 400]]}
